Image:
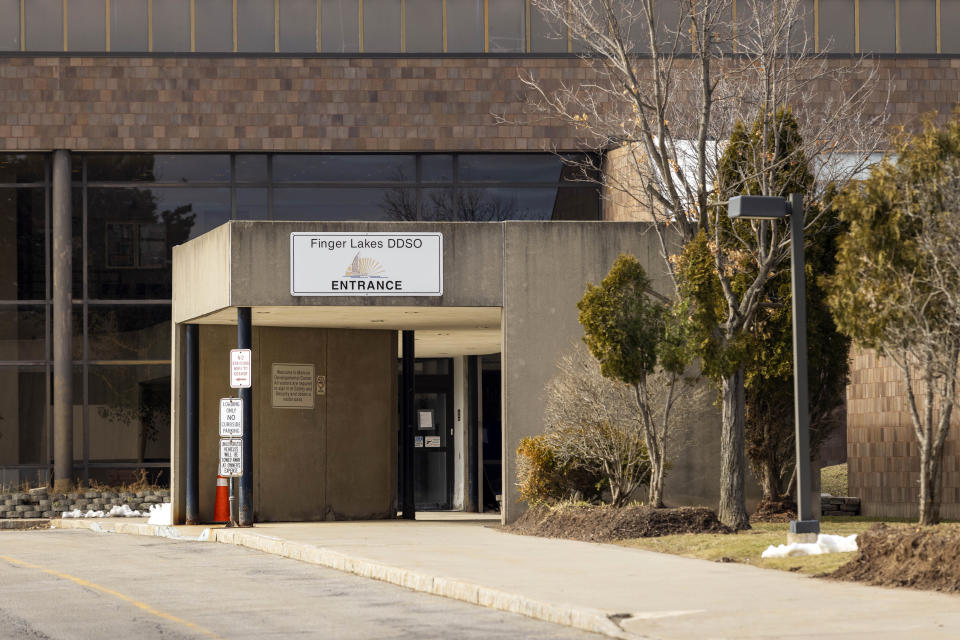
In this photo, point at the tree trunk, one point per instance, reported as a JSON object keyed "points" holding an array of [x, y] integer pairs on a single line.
{"points": [[733, 509], [656, 484], [770, 479], [929, 496]]}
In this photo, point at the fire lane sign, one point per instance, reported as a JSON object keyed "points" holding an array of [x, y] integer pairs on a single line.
{"points": [[241, 368], [231, 457], [231, 417]]}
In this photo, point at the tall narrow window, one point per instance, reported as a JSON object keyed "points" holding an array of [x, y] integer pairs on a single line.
{"points": [[878, 27], [128, 25], [547, 33], [298, 25], [381, 26], [171, 25], [214, 26], [949, 26], [86, 25], [918, 26], [10, 25], [44, 25], [464, 26], [424, 26], [506, 25], [837, 26], [255, 27], [340, 26]]}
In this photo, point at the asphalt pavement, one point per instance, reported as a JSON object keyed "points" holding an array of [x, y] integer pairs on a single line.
{"points": [[80, 585]]}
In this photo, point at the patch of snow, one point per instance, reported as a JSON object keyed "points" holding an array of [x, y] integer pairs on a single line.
{"points": [[204, 535], [122, 511], [826, 543], [161, 514]]}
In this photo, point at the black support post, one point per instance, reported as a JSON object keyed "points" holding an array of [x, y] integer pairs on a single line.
{"points": [[245, 341], [408, 418], [473, 399], [193, 424]]}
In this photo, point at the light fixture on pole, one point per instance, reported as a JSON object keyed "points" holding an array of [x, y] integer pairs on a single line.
{"points": [[774, 208]]}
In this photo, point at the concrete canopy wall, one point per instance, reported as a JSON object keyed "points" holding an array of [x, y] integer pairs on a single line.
{"points": [[535, 271]]}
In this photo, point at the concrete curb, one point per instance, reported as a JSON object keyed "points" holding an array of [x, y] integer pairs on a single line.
{"points": [[25, 523], [586, 619]]}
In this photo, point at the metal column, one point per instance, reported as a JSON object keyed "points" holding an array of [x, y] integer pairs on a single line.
{"points": [[245, 341], [407, 425], [193, 423], [806, 521], [62, 331]]}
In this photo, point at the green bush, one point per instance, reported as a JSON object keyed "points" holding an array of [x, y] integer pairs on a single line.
{"points": [[541, 478]]}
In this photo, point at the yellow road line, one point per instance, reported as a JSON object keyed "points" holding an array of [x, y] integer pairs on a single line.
{"points": [[116, 594]]}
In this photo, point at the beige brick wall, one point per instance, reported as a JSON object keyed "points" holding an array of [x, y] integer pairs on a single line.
{"points": [[328, 104], [882, 455]]}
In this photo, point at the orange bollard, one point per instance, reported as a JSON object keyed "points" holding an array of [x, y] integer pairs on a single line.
{"points": [[221, 509]]}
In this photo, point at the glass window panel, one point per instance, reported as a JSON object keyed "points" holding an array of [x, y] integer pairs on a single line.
{"points": [[21, 167], [918, 26], [160, 167], [24, 430], [131, 233], [250, 168], [23, 332], [801, 35], [436, 168], [252, 204], [547, 34], [672, 26], [214, 25], [516, 167], [10, 25], [340, 26], [22, 246], [424, 26], [255, 25], [950, 26], [506, 25], [44, 25], [128, 25], [405, 203], [464, 25], [129, 413], [836, 26], [171, 25], [381, 26], [343, 168], [298, 25], [488, 204], [86, 25], [128, 332], [577, 203], [878, 27], [301, 203]]}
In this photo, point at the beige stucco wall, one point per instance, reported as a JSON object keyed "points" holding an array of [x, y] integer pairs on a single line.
{"points": [[335, 461]]}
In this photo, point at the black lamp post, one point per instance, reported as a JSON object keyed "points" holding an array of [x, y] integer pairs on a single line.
{"points": [[773, 208]]}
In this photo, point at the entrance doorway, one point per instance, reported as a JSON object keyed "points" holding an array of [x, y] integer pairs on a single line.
{"points": [[433, 442]]}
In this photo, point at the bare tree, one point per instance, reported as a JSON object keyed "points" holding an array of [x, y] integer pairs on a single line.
{"points": [[593, 419], [668, 83]]}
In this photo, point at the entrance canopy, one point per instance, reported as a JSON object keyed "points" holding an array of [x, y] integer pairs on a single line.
{"points": [[500, 287]]}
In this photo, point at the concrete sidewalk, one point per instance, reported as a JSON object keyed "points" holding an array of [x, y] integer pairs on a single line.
{"points": [[620, 592]]}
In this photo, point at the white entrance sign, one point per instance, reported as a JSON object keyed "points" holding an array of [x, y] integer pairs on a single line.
{"points": [[231, 417], [231, 457], [366, 264], [293, 386], [241, 368]]}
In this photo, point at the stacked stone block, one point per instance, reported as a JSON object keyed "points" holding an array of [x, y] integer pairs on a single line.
{"points": [[42, 503], [831, 506]]}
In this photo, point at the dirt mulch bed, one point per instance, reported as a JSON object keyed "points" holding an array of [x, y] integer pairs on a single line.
{"points": [[606, 524], [782, 510], [917, 557]]}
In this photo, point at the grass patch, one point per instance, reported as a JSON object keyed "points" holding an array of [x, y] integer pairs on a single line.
{"points": [[745, 547], [833, 480]]}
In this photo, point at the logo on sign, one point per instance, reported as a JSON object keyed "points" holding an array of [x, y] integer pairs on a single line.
{"points": [[365, 268]]}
